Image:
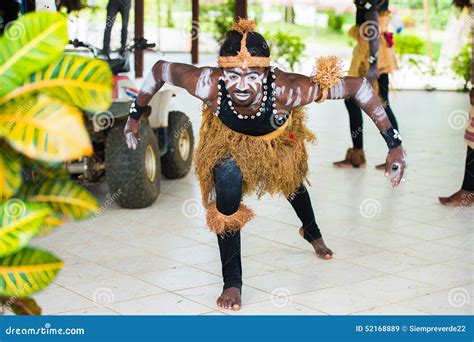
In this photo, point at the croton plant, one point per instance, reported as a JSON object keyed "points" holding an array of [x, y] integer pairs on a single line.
{"points": [[44, 94]]}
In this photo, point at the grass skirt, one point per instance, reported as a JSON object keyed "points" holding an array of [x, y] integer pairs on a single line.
{"points": [[276, 166]]}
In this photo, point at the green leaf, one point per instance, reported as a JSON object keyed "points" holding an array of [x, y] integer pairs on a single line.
{"points": [[50, 223], [78, 81], [28, 271], [20, 221], [63, 196], [45, 129], [30, 44], [10, 173]]}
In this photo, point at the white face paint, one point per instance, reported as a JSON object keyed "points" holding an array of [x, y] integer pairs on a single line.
{"points": [[365, 92], [338, 90], [166, 72], [149, 85], [243, 85], [203, 85]]}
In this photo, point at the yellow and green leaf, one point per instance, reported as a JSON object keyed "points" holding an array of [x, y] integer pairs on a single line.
{"points": [[20, 221], [50, 223], [27, 272], [30, 44], [10, 173], [45, 129], [78, 81], [63, 196]]}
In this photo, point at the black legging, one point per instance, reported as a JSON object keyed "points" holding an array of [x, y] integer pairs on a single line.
{"points": [[355, 113], [114, 7], [468, 182], [228, 181]]}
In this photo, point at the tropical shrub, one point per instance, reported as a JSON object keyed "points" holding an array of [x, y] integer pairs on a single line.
{"points": [[335, 21], [406, 44], [42, 93], [287, 49], [462, 65]]}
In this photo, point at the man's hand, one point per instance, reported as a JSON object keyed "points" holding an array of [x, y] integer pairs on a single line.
{"points": [[132, 133], [372, 73], [396, 158]]}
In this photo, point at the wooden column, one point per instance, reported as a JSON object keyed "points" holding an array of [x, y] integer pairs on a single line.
{"points": [[240, 9], [139, 32], [195, 32]]}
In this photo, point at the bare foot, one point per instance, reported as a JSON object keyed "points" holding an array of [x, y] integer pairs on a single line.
{"points": [[320, 247], [460, 198], [230, 299]]}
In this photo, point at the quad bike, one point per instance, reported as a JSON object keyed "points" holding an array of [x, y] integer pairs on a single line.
{"points": [[166, 139]]}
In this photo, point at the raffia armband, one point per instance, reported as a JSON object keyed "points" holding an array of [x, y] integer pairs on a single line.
{"points": [[327, 73]]}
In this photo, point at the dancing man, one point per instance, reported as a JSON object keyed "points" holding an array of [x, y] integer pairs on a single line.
{"points": [[253, 135], [374, 58]]}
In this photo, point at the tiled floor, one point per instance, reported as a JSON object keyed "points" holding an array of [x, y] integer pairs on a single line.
{"points": [[397, 251]]}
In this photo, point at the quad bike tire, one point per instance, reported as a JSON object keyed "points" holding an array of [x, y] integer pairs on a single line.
{"points": [[176, 162], [134, 175]]}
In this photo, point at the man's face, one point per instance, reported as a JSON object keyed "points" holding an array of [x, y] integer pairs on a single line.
{"points": [[244, 85]]}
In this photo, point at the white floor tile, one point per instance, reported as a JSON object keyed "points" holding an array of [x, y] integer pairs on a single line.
{"points": [[161, 304], [106, 292], [389, 262], [179, 278]]}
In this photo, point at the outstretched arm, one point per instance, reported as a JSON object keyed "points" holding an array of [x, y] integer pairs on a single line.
{"points": [[199, 82], [295, 90], [360, 91]]}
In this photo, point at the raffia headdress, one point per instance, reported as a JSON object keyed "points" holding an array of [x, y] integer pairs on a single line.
{"points": [[243, 59]]}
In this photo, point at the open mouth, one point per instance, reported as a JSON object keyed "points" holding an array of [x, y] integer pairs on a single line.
{"points": [[242, 96]]}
